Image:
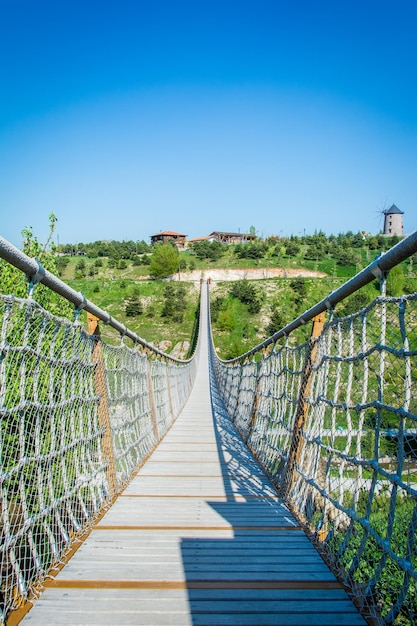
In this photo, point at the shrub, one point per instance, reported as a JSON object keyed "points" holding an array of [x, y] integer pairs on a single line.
{"points": [[276, 322], [134, 306]]}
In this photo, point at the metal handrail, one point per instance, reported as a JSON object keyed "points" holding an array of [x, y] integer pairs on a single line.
{"points": [[33, 269], [377, 269]]}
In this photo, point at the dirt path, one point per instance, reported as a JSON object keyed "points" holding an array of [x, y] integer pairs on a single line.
{"points": [[249, 274]]}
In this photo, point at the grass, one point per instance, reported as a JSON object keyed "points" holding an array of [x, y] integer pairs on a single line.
{"points": [[111, 288], [111, 293]]}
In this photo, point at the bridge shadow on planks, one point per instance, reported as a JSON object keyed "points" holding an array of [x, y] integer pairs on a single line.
{"points": [[259, 568]]}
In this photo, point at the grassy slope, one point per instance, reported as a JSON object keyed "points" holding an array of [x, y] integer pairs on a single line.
{"points": [[110, 288]]}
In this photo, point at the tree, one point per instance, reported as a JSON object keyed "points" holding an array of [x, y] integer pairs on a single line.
{"points": [[353, 303], [213, 250], [247, 293], [15, 282], [175, 302], [291, 248], [134, 306], [299, 286], [80, 269], [276, 322], [255, 250], [164, 261]]}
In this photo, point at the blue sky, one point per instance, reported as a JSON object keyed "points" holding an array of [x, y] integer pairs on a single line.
{"points": [[129, 118]]}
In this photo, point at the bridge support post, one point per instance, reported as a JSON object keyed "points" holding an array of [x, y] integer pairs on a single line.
{"points": [[256, 398], [103, 405], [171, 406], [301, 416], [152, 406]]}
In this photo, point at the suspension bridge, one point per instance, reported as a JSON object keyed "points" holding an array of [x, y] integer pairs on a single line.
{"points": [[138, 489]]}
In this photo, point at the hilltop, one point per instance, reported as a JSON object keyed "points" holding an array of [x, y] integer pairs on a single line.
{"points": [[257, 287]]}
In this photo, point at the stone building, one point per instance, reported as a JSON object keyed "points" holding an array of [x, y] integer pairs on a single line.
{"points": [[393, 222]]}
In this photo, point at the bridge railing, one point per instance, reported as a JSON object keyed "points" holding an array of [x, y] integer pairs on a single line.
{"points": [[334, 423], [78, 417]]}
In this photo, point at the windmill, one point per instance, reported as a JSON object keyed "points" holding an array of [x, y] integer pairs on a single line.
{"points": [[393, 220], [381, 213]]}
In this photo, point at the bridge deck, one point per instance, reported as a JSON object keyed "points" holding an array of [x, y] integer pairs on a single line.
{"points": [[198, 537]]}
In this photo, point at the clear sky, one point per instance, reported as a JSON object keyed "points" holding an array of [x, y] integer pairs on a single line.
{"points": [[130, 117]]}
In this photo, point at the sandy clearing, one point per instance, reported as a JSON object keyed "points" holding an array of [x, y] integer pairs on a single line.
{"points": [[218, 275]]}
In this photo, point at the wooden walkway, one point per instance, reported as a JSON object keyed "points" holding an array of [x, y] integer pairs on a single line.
{"points": [[199, 537]]}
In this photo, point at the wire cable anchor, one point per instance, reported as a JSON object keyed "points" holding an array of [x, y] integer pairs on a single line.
{"points": [[36, 278]]}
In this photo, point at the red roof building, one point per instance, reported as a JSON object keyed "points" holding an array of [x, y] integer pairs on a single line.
{"points": [[169, 235]]}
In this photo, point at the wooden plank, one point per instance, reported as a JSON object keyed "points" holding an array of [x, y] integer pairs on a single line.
{"points": [[199, 537]]}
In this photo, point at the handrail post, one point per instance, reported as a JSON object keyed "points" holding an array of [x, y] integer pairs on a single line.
{"points": [[151, 396], [256, 396], [168, 380], [301, 416], [103, 403]]}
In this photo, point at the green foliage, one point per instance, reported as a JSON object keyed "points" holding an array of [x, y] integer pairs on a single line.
{"points": [[276, 322], [175, 302], [314, 251], [225, 320], [61, 264], [234, 327], [112, 249], [353, 303], [345, 257], [298, 285], [164, 261], [97, 279], [247, 293], [253, 250], [215, 307], [390, 580], [212, 250], [134, 306], [395, 281], [292, 248], [13, 281], [80, 269]]}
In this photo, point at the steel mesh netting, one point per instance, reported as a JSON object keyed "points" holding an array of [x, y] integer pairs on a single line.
{"points": [[130, 410], [181, 381], [52, 472], [354, 479], [56, 473], [144, 398]]}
